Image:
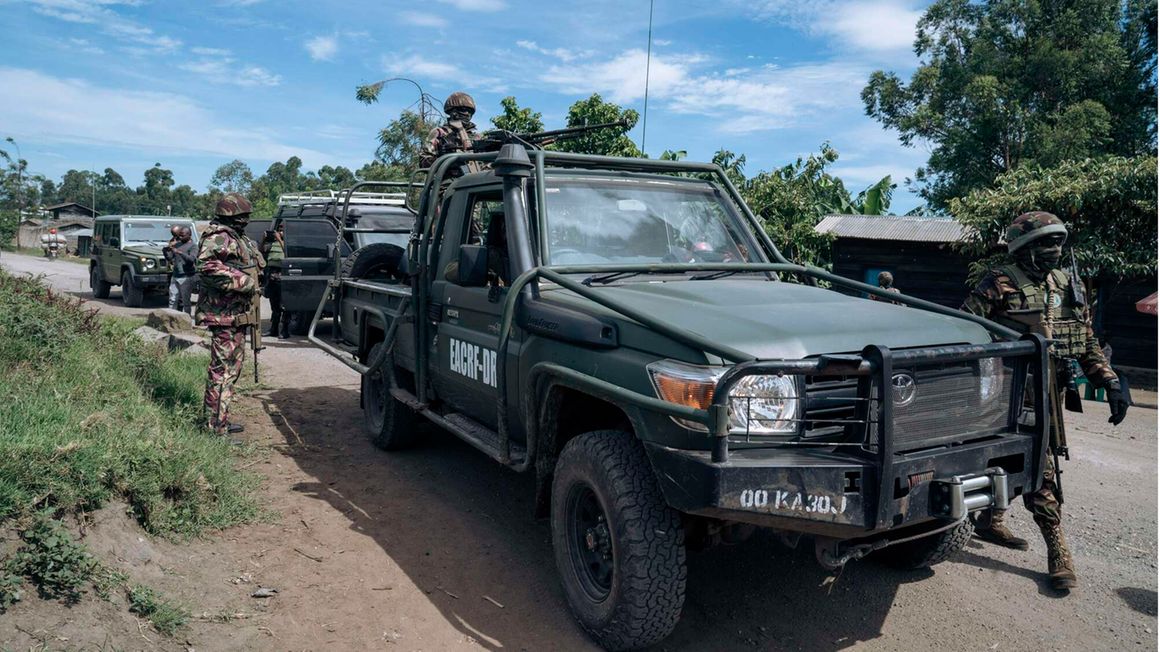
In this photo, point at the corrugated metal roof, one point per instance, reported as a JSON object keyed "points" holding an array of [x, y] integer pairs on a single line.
{"points": [[892, 227]]}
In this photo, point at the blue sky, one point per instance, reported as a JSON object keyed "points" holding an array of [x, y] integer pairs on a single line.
{"points": [[127, 83]]}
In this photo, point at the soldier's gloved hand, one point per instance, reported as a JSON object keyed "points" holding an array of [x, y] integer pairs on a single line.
{"points": [[1117, 403]]}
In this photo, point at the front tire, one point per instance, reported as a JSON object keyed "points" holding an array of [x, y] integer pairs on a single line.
{"points": [[131, 295], [928, 551], [390, 423], [619, 548], [98, 284]]}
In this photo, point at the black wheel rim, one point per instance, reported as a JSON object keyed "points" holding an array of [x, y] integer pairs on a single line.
{"points": [[590, 543]]}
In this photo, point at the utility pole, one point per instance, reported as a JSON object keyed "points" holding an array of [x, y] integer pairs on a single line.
{"points": [[19, 179]]}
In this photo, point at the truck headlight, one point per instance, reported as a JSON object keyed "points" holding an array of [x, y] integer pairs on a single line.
{"points": [[758, 405], [992, 377], [148, 263]]}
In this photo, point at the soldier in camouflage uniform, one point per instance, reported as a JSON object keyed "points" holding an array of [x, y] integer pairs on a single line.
{"points": [[458, 134], [1034, 296], [228, 265]]}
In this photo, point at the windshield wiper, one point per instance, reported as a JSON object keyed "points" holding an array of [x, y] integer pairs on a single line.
{"points": [[712, 276], [608, 278]]}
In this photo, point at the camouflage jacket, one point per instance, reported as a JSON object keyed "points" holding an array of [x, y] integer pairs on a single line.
{"points": [[228, 266], [1009, 296], [452, 136]]}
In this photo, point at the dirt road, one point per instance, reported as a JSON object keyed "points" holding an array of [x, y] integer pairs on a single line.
{"points": [[404, 550]]}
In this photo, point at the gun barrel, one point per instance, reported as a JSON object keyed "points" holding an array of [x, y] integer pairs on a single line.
{"points": [[571, 131]]}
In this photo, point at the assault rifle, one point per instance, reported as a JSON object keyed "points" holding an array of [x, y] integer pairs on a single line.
{"points": [[492, 140]]}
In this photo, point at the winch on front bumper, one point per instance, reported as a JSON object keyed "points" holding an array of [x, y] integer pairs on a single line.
{"points": [[875, 464]]}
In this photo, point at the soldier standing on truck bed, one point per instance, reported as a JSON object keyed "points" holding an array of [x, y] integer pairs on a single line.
{"points": [[458, 134], [228, 264], [1035, 296]]}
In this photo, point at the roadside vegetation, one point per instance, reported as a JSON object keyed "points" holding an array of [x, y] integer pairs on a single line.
{"points": [[92, 415]]}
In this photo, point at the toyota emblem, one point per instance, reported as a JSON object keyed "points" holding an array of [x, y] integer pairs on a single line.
{"points": [[904, 389]]}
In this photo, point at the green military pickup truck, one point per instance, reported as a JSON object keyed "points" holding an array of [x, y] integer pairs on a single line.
{"points": [[625, 330], [126, 251]]}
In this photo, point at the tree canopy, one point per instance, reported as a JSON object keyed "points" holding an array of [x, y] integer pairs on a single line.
{"points": [[517, 120], [607, 142], [1109, 206], [1007, 83]]}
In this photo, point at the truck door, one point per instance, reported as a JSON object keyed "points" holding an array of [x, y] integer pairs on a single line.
{"points": [[467, 333], [307, 266], [111, 256]]}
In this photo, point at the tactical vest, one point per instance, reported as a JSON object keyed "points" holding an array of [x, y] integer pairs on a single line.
{"points": [[1047, 308], [250, 264]]}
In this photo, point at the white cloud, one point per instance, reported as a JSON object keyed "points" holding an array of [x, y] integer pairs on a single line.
{"points": [[867, 25], [101, 13], [138, 120], [83, 45], [322, 48], [221, 67], [422, 19], [476, 5], [562, 54], [739, 100], [417, 66]]}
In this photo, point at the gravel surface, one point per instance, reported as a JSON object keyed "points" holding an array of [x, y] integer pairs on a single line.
{"points": [[413, 550]]}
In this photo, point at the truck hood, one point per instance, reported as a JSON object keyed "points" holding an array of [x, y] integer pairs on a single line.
{"points": [[775, 319]]}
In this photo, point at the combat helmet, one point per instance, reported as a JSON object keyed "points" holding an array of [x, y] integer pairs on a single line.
{"points": [[459, 100], [1032, 226], [233, 205]]}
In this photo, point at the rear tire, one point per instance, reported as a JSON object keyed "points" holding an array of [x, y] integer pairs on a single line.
{"points": [[131, 295], [378, 261], [390, 423], [928, 551], [97, 283], [619, 548]]}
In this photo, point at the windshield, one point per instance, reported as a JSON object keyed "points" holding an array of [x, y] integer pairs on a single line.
{"points": [[634, 221], [152, 232]]}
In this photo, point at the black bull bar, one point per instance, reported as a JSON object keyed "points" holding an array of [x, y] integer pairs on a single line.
{"points": [[874, 504]]}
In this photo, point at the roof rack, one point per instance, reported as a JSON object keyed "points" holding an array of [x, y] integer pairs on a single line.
{"points": [[329, 196]]}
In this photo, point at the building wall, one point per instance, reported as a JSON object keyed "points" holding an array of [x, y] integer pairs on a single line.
{"points": [[1131, 334], [926, 270]]}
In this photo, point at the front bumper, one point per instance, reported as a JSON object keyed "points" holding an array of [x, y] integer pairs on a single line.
{"points": [[150, 280], [833, 495]]}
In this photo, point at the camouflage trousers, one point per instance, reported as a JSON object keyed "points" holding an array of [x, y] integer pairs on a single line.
{"points": [[1043, 504], [227, 352]]}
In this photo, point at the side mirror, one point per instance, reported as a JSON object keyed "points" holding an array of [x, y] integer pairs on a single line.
{"points": [[472, 271], [114, 242]]}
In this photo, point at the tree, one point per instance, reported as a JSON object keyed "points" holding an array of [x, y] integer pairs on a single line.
{"points": [[234, 176], [792, 200], [1109, 205], [1004, 83], [607, 142], [517, 120], [401, 142]]}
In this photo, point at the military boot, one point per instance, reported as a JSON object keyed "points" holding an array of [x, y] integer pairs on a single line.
{"points": [[990, 527], [1060, 567]]}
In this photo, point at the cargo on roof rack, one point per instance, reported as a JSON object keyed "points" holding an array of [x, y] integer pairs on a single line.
{"points": [[331, 196]]}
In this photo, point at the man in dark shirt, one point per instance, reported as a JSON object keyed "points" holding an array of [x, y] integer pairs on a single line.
{"points": [[182, 255]]}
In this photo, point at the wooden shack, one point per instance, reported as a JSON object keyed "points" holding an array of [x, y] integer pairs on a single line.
{"points": [[918, 251]]}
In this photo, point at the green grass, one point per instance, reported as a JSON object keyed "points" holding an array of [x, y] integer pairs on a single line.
{"points": [[165, 616], [89, 414]]}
